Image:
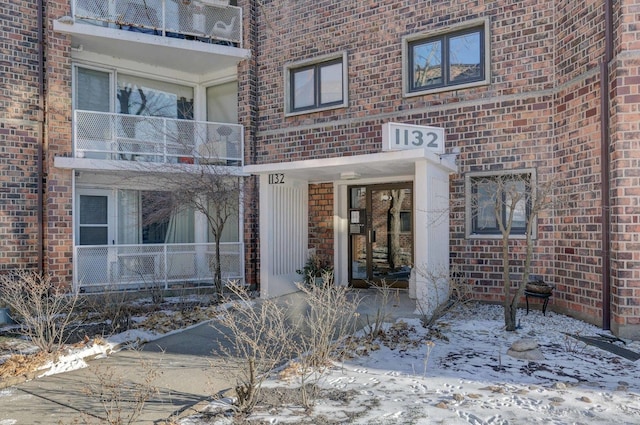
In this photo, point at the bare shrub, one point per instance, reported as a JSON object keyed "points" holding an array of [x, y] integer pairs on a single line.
{"points": [[258, 341], [330, 316], [113, 306], [43, 310], [429, 344], [572, 344], [156, 291], [263, 335], [384, 295], [443, 291], [122, 401]]}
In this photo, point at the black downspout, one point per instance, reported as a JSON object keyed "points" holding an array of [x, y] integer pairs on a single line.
{"points": [[42, 119], [605, 172]]}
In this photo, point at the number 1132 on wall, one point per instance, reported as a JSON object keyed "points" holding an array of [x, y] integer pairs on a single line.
{"points": [[407, 136]]}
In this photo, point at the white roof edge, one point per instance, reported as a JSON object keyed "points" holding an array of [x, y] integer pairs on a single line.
{"points": [[103, 165], [66, 25], [388, 156]]}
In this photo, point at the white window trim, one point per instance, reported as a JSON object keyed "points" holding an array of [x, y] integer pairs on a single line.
{"points": [[199, 90], [406, 84], [326, 58], [468, 196]]}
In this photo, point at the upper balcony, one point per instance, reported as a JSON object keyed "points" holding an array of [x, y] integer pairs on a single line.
{"points": [[194, 36], [108, 141]]}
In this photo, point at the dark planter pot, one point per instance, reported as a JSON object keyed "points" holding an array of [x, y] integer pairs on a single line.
{"points": [[539, 288]]}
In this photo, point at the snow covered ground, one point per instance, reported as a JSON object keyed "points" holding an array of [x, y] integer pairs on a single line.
{"points": [[459, 373], [456, 372]]}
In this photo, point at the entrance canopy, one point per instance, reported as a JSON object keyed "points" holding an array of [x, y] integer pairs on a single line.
{"points": [[369, 166], [284, 215]]}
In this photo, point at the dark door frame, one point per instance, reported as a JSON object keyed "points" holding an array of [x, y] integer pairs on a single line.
{"points": [[366, 229]]}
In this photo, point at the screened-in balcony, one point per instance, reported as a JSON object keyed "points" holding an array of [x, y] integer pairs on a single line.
{"points": [[122, 137], [190, 36], [104, 267], [206, 21]]}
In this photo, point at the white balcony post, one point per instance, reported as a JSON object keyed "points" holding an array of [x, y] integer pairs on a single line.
{"points": [[165, 149], [164, 17]]}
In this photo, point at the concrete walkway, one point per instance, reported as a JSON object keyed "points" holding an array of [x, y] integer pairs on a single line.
{"points": [[189, 373]]}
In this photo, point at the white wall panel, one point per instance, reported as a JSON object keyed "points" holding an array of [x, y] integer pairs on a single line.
{"points": [[284, 223]]}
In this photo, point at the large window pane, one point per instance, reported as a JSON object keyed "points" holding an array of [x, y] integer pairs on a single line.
{"points": [[141, 96], [93, 90], [516, 198], [427, 64], [231, 229], [464, 57], [93, 209], [486, 212], [303, 89], [446, 60], [129, 229], [93, 236], [496, 198], [93, 220], [222, 102], [154, 222], [331, 83], [318, 85]]}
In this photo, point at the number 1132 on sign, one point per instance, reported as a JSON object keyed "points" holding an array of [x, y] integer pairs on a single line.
{"points": [[406, 136]]}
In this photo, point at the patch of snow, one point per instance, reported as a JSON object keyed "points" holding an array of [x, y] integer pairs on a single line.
{"points": [[466, 377]]}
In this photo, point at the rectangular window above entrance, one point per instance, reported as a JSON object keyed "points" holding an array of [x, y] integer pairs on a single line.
{"points": [[447, 59], [316, 85]]}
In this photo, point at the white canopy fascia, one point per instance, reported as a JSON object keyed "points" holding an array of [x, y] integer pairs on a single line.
{"points": [[382, 164]]}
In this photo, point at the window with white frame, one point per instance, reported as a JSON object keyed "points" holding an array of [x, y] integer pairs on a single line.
{"points": [[111, 91], [447, 59], [320, 84], [498, 201]]}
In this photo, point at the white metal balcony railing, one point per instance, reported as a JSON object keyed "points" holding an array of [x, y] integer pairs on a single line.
{"points": [[101, 267], [101, 135], [209, 20]]}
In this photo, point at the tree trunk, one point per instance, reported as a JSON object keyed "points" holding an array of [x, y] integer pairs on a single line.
{"points": [[397, 198], [217, 274], [510, 313]]}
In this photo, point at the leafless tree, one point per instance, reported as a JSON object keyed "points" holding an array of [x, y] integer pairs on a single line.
{"points": [[210, 190], [510, 201]]}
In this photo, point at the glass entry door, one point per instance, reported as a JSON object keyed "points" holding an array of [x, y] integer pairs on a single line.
{"points": [[380, 234]]}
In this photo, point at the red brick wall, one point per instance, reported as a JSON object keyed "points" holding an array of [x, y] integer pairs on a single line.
{"points": [[321, 219], [20, 136], [513, 129], [58, 142], [25, 129], [541, 110], [247, 108], [625, 171], [578, 221]]}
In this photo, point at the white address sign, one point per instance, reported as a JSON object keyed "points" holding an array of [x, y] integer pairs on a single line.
{"points": [[406, 136]]}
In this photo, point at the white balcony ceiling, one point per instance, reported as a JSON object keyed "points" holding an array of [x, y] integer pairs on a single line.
{"points": [[189, 56]]}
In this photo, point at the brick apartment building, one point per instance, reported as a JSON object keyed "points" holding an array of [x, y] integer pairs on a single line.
{"points": [[366, 128], [104, 101]]}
